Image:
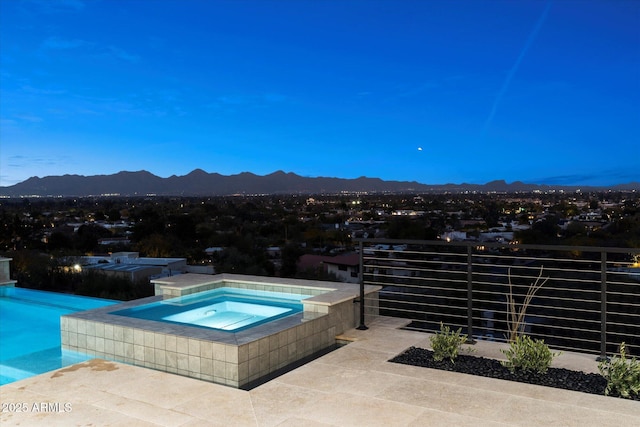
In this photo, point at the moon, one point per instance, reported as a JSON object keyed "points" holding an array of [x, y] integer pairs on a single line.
{"points": [[419, 148]]}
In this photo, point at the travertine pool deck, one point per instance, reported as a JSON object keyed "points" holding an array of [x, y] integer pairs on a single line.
{"points": [[352, 386]]}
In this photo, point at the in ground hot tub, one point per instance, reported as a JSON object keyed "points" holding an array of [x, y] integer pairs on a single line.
{"points": [[229, 329], [225, 309]]}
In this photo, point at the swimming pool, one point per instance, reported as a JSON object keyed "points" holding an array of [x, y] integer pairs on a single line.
{"points": [[225, 308], [30, 331]]}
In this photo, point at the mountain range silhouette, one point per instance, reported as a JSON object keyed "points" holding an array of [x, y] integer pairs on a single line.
{"points": [[201, 183]]}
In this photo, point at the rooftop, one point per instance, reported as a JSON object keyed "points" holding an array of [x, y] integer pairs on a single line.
{"points": [[352, 386]]}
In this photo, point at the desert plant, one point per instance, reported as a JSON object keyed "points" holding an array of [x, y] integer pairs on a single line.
{"points": [[516, 315], [446, 343], [622, 374], [528, 354]]}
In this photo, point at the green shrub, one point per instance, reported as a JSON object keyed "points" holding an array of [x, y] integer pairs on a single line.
{"points": [[528, 354], [622, 375], [446, 343]]}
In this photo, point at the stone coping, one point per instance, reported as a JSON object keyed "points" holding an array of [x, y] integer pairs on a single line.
{"points": [[105, 315], [322, 292]]}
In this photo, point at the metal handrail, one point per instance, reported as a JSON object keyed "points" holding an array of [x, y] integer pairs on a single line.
{"points": [[591, 302]]}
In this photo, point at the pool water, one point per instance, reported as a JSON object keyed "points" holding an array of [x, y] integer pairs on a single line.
{"points": [[226, 309], [30, 331]]}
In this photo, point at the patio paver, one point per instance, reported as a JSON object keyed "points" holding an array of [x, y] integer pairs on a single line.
{"points": [[352, 386]]}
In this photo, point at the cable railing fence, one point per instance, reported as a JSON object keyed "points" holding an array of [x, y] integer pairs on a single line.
{"points": [[589, 300]]}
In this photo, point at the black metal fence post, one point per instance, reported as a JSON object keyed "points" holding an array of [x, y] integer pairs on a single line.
{"points": [[603, 306], [362, 326], [470, 339]]}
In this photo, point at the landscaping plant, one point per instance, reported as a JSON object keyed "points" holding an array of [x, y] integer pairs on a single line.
{"points": [[446, 343], [528, 354], [516, 315], [622, 374]]}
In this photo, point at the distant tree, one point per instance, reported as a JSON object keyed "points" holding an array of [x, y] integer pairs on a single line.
{"points": [[156, 245], [31, 269], [566, 209], [59, 240], [290, 255], [206, 233], [88, 235], [113, 215], [407, 228], [317, 273], [182, 227], [101, 285], [492, 214], [541, 232], [523, 218], [630, 207], [626, 230], [148, 222], [575, 228], [231, 260]]}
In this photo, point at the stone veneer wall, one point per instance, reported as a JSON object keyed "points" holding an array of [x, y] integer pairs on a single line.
{"points": [[233, 365]]}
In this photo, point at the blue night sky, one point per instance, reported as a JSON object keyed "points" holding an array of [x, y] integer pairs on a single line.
{"points": [[439, 91]]}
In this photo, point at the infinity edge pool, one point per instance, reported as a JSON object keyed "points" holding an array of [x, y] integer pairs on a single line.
{"points": [[30, 341]]}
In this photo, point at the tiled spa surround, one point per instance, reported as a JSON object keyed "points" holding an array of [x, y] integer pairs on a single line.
{"points": [[235, 359]]}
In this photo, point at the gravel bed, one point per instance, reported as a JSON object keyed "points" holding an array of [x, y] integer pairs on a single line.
{"points": [[482, 366]]}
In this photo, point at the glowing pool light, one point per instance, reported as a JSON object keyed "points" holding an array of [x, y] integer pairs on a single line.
{"points": [[227, 315]]}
